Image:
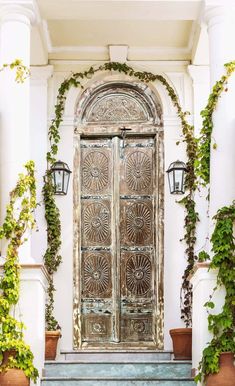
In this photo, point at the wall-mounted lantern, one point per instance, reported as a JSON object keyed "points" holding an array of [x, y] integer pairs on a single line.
{"points": [[60, 177], [176, 177]]}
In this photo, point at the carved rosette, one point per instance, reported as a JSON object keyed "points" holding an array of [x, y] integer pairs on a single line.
{"points": [[138, 272], [138, 171], [138, 223], [95, 172], [96, 275], [96, 327], [96, 224], [137, 328]]}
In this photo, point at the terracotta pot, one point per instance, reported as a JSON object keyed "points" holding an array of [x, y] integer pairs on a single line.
{"points": [[12, 377], [226, 374], [182, 343], [51, 341]]}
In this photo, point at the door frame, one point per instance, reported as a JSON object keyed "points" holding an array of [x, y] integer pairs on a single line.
{"points": [[89, 130]]}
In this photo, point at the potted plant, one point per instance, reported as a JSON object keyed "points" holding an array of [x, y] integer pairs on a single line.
{"points": [[217, 365], [182, 337], [15, 355], [52, 260]]}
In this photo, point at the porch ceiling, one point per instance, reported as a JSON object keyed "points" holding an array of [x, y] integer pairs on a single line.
{"points": [[83, 30]]}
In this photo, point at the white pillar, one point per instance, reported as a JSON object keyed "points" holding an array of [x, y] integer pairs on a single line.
{"points": [[219, 15], [221, 30], [14, 104], [38, 136]]}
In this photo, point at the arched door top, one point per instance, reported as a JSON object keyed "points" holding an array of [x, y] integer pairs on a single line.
{"points": [[119, 103]]}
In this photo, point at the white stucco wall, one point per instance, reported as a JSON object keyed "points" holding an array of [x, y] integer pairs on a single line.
{"points": [[174, 259]]}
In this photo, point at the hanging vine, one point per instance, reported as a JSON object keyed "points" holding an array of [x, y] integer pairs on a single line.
{"points": [[52, 212], [202, 163], [21, 71], [19, 218], [221, 325]]}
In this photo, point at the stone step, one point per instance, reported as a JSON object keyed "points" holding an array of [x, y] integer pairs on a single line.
{"points": [[117, 382], [160, 370], [116, 356]]}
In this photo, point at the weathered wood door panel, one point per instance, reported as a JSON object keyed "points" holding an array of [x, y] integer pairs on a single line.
{"points": [[118, 241], [137, 177]]}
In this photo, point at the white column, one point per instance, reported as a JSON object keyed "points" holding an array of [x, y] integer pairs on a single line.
{"points": [[200, 76], [221, 29], [14, 104], [38, 136], [219, 15]]}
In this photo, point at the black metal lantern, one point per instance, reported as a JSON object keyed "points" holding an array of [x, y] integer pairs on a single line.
{"points": [[176, 177], [60, 176]]}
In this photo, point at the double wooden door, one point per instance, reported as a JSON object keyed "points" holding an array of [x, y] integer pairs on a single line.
{"points": [[118, 241]]}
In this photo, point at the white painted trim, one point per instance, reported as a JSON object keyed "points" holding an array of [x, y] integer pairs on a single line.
{"points": [[46, 36], [132, 50], [156, 63]]}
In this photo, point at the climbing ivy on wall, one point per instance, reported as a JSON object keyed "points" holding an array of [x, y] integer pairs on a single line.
{"points": [[202, 164], [52, 212], [221, 325], [19, 218]]}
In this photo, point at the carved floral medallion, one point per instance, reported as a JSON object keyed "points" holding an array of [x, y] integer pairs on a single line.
{"points": [[96, 223], [138, 171], [138, 274], [96, 275], [95, 171], [138, 223]]}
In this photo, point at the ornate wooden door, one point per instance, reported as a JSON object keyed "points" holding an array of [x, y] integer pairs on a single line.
{"points": [[117, 258]]}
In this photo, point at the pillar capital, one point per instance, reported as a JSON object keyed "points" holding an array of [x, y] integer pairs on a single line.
{"points": [[220, 13], [199, 74], [20, 11], [41, 74]]}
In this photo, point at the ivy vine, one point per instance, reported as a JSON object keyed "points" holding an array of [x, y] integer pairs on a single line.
{"points": [[52, 258], [52, 212], [202, 164], [222, 325], [21, 71], [19, 218]]}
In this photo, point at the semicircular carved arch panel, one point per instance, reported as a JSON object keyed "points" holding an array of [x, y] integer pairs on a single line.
{"points": [[119, 102], [117, 108]]}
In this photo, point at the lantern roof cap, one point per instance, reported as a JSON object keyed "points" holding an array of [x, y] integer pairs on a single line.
{"points": [[60, 165], [177, 165]]}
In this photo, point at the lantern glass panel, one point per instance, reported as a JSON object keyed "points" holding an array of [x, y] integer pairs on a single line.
{"points": [[66, 181], [171, 181], [58, 176], [178, 185]]}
